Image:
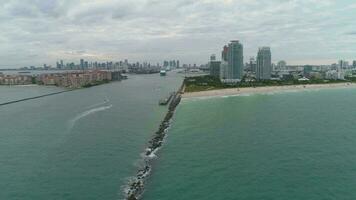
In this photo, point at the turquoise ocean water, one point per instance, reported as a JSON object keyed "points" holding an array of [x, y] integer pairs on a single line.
{"points": [[299, 145], [82, 144]]}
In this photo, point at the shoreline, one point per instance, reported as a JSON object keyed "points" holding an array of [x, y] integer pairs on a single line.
{"points": [[262, 90]]}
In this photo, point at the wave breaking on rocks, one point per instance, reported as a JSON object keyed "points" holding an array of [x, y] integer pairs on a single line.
{"points": [[136, 185]]}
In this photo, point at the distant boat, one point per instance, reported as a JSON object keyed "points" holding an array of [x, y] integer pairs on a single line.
{"points": [[163, 72]]}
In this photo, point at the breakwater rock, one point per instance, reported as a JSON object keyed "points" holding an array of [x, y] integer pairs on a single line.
{"points": [[136, 185]]}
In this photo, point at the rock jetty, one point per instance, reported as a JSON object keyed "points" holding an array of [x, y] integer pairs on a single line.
{"points": [[136, 185]]}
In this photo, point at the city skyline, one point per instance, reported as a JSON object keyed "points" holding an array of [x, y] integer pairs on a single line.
{"points": [[300, 32]]}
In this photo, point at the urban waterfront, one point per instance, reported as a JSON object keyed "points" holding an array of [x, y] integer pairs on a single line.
{"points": [[84, 144], [181, 100], [288, 145]]}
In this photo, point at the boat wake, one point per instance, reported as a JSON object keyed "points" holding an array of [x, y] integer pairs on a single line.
{"points": [[87, 113]]}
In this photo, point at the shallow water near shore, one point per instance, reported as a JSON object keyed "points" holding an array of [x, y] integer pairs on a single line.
{"points": [[298, 145], [83, 144]]}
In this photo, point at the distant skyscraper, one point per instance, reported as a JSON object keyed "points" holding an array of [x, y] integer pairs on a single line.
{"points": [[235, 60], [86, 65], [178, 64], [165, 63], [343, 64], [282, 65], [214, 66], [252, 64], [212, 57], [264, 64], [224, 65], [81, 63], [354, 64], [224, 53]]}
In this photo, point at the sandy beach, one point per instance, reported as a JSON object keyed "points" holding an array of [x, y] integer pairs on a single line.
{"points": [[268, 89]]}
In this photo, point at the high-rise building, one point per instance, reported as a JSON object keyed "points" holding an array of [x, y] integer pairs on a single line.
{"points": [[165, 63], [223, 65], [264, 64], [281, 65], [178, 64], [212, 57], [252, 64], [354, 64], [343, 64], [81, 63], [235, 60], [86, 65], [214, 66], [224, 53]]}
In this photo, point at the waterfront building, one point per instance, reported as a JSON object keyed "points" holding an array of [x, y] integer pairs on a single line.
{"points": [[214, 68], [335, 75], [78, 79], [232, 62], [235, 60], [343, 64], [281, 65], [252, 64], [307, 70], [223, 65], [15, 79], [264, 64], [213, 57]]}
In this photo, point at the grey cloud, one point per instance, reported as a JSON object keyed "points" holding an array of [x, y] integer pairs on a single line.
{"points": [[153, 30]]}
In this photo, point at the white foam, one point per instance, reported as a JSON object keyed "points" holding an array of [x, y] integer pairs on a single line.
{"points": [[87, 113]]}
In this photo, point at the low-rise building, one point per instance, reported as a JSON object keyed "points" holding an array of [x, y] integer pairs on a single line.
{"points": [[78, 79], [15, 79]]}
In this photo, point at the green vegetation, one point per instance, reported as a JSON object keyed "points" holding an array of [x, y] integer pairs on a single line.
{"points": [[33, 80], [204, 83]]}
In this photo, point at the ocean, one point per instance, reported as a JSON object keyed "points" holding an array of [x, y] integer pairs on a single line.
{"points": [[87, 143], [288, 145], [83, 144]]}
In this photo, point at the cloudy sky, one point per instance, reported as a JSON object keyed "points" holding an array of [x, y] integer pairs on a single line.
{"points": [[34, 32]]}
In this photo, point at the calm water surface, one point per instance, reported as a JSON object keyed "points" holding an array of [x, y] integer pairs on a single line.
{"points": [[283, 146], [78, 145]]}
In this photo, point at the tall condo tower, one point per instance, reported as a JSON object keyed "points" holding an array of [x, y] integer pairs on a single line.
{"points": [[264, 64], [223, 65], [235, 60]]}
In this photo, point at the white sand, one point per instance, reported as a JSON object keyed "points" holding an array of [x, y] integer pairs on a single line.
{"points": [[268, 89]]}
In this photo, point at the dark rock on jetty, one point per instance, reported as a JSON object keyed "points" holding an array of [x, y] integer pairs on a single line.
{"points": [[136, 186]]}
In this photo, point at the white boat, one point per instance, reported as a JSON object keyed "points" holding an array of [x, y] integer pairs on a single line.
{"points": [[163, 72]]}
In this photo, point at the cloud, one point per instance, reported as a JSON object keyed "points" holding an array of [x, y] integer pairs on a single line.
{"points": [[190, 30]]}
